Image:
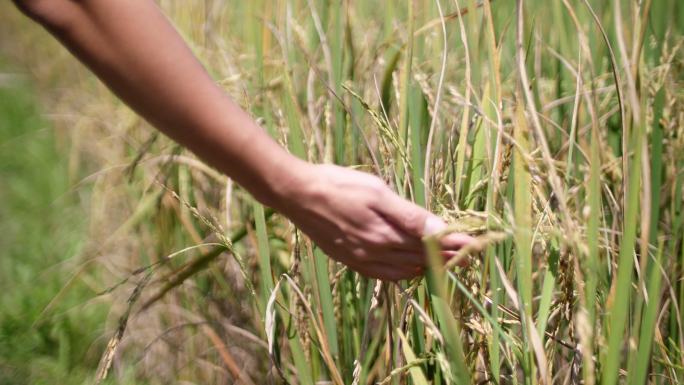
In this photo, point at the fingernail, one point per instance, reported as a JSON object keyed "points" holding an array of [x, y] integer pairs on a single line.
{"points": [[433, 225]]}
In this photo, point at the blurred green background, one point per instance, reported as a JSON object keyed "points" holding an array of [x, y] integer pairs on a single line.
{"points": [[45, 337]]}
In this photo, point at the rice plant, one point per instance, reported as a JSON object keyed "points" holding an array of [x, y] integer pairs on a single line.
{"points": [[552, 131]]}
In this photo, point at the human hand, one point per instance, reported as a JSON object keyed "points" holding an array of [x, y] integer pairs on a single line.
{"points": [[356, 219]]}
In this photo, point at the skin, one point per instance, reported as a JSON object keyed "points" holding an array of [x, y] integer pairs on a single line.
{"points": [[353, 216]]}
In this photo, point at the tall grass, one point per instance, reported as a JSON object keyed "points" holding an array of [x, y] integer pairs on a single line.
{"points": [[552, 131]]}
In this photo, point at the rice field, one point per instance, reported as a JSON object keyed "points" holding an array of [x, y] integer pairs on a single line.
{"points": [[552, 131]]}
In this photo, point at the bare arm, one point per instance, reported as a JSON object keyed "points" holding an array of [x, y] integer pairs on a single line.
{"points": [[132, 48]]}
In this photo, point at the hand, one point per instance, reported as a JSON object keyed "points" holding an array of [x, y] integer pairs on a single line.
{"points": [[354, 217], [358, 220]]}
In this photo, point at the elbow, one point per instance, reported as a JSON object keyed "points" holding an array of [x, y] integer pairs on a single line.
{"points": [[52, 14]]}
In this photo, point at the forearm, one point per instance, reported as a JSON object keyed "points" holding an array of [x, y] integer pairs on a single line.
{"points": [[133, 49], [352, 216]]}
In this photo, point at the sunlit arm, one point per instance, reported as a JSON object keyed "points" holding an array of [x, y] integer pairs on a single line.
{"points": [[135, 51]]}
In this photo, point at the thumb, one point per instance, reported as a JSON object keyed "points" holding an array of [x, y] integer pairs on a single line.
{"points": [[451, 241], [433, 225]]}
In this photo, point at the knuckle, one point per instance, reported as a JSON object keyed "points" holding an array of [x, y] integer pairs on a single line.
{"points": [[376, 239], [359, 253], [385, 237], [392, 237], [377, 186]]}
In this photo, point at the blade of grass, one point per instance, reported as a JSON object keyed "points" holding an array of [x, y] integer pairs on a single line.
{"points": [[417, 117], [264, 254], [592, 263], [523, 233], [415, 371], [639, 371], [325, 296], [438, 99], [404, 85], [465, 117], [324, 345], [623, 282], [448, 325], [492, 110], [545, 301], [336, 12]]}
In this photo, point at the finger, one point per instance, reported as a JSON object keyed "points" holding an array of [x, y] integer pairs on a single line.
{"points": [[390, 273], [449, 255], [418, 222], [433, 225], [412, 261], [401, 258], [389, 236], [406, 216], [384, 271], [455, 241]]}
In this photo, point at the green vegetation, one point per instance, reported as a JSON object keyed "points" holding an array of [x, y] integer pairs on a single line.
{"points": [[46, 336], [553, 131]]}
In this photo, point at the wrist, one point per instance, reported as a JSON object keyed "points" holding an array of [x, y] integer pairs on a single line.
{"points": [[287, 182]]}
